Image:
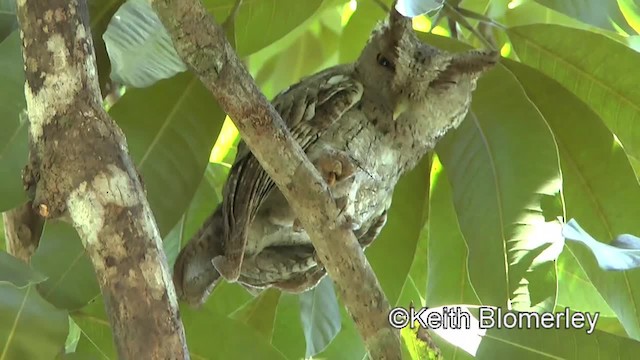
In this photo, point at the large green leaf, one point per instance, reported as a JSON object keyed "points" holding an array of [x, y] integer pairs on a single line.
{"points": [[170, 128], [600, 191], [600, 71], [13, 126], [96, 341], [347, 345], [211, 335], [71, 282], [288, 336], [448, 275], [8, 20], [499, 209], [320, 315], [260, 313], [30, 328], [538, 344], [261, 22], [15, 272], [401, 233], [602, 13]]}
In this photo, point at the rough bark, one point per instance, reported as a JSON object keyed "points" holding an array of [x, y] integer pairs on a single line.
{"points": [[80, 170], [22, 230], [204, 48]]}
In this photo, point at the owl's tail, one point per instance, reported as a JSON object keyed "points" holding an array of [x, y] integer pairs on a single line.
{"points": [[194, 276]]}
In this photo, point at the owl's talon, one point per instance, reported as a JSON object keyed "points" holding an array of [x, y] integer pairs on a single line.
{"points": [[297, 225]]}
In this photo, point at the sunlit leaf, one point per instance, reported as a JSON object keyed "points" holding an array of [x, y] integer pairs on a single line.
{"points": [[584, 63], [260, 23], [602, 13], [600, 190]]}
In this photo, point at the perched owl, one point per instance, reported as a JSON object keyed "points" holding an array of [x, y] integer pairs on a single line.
{"points": [[362, 125]]}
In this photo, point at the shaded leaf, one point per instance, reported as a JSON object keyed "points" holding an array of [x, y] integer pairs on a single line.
{"points": [[320, 316], [15, 272], [139, 47], [582, 61], [170, 128], [30, 328], [622, 254], [261, 312], [347, 345], [13, 125], [211, 335], [288, 336], [96, 341], [8, 19], [71, 282]]}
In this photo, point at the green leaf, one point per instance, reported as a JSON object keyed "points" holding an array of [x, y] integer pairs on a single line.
{"points": [[600, 190], [13, 126], [320, 316], [402, 232], [139, 47], [347, 345], [71, 282], [100, 13], [600, 71], [356, 33], [537, 344], [448, 275], [96, 341], [204, 202], [30, 328], [170, 128], [15, 272], [211, 335], [602, 13], [8, 19], [260, 313], [288, 336], [511, 247], [260, 23]]}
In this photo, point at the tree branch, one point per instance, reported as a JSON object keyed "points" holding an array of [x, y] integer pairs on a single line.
{"points": [[80, 170], [204, 48]]}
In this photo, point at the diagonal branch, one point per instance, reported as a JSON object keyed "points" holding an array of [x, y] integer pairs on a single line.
{"points": [[204, 48], [80, 170]]}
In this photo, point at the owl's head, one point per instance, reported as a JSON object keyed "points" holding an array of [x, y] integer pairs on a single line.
{"points": [[399, 70]]}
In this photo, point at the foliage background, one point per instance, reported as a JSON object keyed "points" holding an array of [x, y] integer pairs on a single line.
{"points": [[553, 134]]}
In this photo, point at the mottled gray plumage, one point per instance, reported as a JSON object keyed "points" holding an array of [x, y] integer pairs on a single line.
{"points": [[363, 125]]}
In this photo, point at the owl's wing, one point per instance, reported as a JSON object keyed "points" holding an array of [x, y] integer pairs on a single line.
{"points": [[308, 109]]}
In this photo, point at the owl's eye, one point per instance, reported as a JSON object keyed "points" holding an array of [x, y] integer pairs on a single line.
{"points": [[384, 62]]}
